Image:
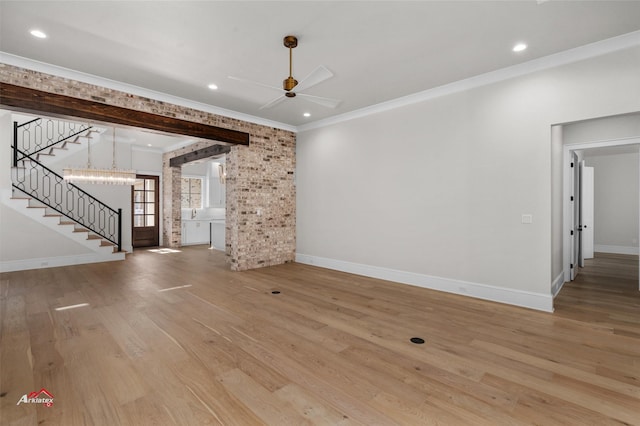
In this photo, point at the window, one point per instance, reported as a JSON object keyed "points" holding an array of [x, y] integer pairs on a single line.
{"points": [[191, 193]]}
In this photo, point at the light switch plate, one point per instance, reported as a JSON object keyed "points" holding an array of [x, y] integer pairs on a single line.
{"points": [[527, 218]]}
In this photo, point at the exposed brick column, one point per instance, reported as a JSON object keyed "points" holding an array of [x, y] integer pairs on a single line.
{"points": [[171, 223]]}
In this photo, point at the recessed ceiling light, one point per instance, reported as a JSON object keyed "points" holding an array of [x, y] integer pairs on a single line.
{"points": [[38, 33], [149, 144], [213, 86], [519, 47], [306, 114]]}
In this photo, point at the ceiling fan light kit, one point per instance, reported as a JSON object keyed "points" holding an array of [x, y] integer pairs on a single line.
{"points": [[318, 75]]}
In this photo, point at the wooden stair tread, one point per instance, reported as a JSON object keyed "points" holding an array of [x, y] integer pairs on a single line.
{"points": [[93, 237]]}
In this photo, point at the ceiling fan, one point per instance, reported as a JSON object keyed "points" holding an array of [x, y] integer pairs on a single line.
{"points": [[318, 75]]}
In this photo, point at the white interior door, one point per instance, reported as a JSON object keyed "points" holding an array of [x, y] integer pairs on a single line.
{"points": [[581, 167], [586, 210], [575, 215]]}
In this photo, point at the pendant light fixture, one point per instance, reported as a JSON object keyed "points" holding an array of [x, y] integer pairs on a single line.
{"points": [[111, 176]]}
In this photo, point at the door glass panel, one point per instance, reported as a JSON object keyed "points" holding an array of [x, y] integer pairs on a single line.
{"points": [[139, 185], [138, 221], [138, 196], [138, 208], [149, 185], [151, 197], [149, 208], [150, 220]]}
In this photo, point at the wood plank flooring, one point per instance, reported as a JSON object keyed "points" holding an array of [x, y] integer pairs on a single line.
{"points": [[177, 339]]}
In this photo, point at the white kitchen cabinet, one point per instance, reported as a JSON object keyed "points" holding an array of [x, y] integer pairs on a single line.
{"points": [[195, 232], [217, 193], [218, 235]]}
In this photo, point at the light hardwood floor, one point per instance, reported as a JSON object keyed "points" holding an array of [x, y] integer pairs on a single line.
{"points": [[331, 348]]}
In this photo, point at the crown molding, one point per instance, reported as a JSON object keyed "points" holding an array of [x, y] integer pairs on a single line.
{"points": [[22, 62], [546, 62]]}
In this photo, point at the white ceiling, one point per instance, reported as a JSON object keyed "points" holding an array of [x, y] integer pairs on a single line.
{"points": [[378, 51]]}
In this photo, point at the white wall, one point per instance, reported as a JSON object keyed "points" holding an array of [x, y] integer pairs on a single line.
{"points": [[146, 161], [557, 228], [616, 202], [437, 189], [601, 129], [22, 239], [6, 136], [195, 169]]}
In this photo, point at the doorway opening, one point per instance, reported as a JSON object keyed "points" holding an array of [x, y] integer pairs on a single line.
{"points": [[585, 247], [203, 202]]}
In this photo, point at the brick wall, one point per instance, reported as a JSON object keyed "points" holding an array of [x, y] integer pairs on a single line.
{"points": [[260, 221]]}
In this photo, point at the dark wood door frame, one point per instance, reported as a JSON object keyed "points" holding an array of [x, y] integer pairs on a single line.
{"points": [[146, 236]]}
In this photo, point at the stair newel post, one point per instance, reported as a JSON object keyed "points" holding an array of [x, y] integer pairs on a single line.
{"points": [[119, 229], [15, 144]]}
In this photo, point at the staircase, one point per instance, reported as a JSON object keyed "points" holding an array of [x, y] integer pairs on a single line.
{"points": [[43, 195]]}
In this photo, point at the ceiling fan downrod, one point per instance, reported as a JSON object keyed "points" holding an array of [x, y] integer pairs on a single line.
{"points": [[289, 83]]}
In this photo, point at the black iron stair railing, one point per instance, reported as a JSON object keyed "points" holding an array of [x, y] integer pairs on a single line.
{"points": [[49, 188], [38, 135]]}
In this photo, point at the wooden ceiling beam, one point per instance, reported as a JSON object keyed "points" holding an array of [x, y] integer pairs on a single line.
{"points": [[33, 100], [199, 154]]}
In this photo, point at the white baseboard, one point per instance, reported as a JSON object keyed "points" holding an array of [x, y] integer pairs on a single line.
{"points": [[52, 262], [538, 301], [615, 249], [557, 284]]}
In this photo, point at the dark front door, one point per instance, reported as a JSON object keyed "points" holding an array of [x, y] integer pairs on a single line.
{"points": [[145, 210]]}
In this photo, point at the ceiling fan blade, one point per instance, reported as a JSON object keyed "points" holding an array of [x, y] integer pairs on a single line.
{"points": [[273, 102], [318, 75], [255, 83], [328, 102]]}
